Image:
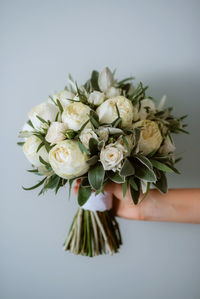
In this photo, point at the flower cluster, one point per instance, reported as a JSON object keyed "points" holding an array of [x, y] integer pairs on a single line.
{"points": [[105, 130]]}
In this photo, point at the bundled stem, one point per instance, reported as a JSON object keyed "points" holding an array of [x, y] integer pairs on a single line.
{"points": [[93, 233]]}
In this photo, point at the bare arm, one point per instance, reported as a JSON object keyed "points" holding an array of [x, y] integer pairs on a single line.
{"points": [[178, 205]]}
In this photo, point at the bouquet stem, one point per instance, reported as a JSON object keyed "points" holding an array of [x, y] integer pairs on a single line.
{"points": [[93, 233]]}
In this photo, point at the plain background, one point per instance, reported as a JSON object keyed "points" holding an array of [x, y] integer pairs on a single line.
{"points": [[41, 42]]}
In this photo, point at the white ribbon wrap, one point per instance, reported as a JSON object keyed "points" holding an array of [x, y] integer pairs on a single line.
{"points": [[100, 202]]}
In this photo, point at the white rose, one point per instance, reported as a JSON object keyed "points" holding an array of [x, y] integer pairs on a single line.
{"points": [[145, 106], [75, 115], [64, 97], [107, 111], [111, 157], [150, 137], [55, 132], [85, 136], [30, 150], [96, 98], [67, 160], [105, 79], [45, 110], [167, 147], [112, 92]]}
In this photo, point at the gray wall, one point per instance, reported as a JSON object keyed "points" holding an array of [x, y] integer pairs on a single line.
{"points": [[41, 42]]}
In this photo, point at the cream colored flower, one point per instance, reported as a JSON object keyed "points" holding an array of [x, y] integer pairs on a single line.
{"points": [[45, 110], [85, 136], [111, 157], [75, 115], [167, 147], [30, 150], [107, 111], [96, 98], [150, 137], [112, 92], [67, 160], [55, 132], [105, 79]]}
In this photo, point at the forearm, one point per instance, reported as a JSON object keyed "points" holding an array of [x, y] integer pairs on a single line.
{"points": [[178, 205]]}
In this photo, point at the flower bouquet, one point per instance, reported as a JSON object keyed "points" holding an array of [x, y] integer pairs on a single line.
{"points": [[103, 131]]}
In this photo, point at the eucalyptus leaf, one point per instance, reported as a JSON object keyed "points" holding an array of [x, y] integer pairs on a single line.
{"points": [[83, 194], [96, 176], [93, 160], [144, 173], [133, 184], [115, 177], [93, 146], [127, 168], [161, 183], [144, 160], [94, 80], [83, 149], [135, 194], [35, 186], [161, 166], [124, 188]]}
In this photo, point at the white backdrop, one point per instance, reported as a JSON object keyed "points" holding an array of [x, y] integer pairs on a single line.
{"points": [[41, 42]]}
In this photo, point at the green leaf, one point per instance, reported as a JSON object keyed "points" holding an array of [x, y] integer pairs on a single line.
{"points": [[40, 146], [127, 168], [174, 169], [20, 143], [144, 173], [101, 144], [93, 160], [124, 188], [144, 161], [59, 184], [135, 194], [44, 162], [94, 119], [42, 119], [178, 160], [94, 80], [125, 80], [116, 122], [161, 183], [118, 114], [85, 182], [151, 153], [60, 106], [96, 176], [50, 183], [115, 177], [133, 184], [29, 122], [83, 149], [35, 186], [83, 127], [161, 166], [126, 144], [93, 146], [83, 194]]}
